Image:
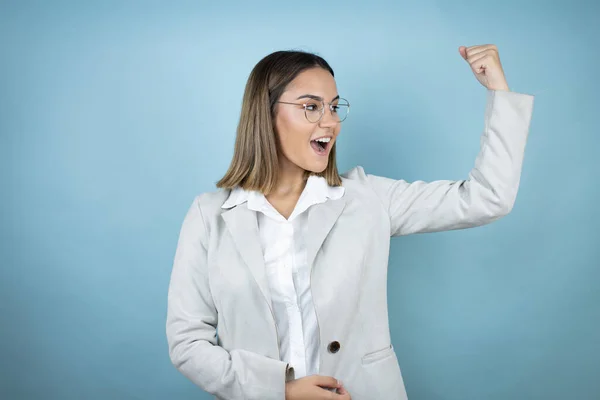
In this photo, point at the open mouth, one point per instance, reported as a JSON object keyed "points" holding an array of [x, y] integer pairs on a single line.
{"points": [[320, 146]]}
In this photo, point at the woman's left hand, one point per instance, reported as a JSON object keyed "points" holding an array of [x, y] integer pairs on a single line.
{"points": [[485, 64]]}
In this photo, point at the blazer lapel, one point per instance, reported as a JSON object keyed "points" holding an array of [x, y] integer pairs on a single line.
{"points": [[321, 218], [243, 226]]}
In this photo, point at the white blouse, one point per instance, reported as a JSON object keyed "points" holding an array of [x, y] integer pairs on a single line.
{"points": [[284, 250]]}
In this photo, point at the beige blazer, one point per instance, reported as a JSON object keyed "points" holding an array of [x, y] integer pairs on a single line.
{"points": [[218, 279]]}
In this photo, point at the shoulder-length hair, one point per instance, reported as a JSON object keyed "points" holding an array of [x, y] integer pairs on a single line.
{"points": [[255, 164]]}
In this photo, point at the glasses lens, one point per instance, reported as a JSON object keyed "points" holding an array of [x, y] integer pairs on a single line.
{"points": [[340, 110], [314, 110]]}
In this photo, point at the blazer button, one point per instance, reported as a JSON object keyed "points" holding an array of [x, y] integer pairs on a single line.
{"points": [[334, 347]]}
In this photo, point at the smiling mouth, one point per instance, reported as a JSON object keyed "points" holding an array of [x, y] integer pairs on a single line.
{"points": [[320, 147]]}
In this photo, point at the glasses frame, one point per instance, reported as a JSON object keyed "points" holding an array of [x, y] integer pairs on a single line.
{"points": [[322, 109]]}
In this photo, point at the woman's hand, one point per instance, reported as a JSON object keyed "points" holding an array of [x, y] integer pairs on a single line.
{"points": [[315, 387], [485, 64]]}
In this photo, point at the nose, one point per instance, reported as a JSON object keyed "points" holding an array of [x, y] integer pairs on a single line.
{"points": [[328, 119]]}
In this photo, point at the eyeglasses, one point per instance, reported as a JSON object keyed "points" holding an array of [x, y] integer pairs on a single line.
{"points": [[315, 109]]}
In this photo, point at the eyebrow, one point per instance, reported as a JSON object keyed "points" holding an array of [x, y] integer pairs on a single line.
{"points": [[312, 96]]}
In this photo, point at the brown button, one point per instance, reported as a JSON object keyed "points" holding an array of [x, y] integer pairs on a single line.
{"points": [[334, 347]]}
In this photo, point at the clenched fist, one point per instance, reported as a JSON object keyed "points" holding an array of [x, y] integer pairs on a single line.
{"points": [[485, 64]]}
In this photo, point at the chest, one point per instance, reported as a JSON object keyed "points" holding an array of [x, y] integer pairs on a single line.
{"points": [[284, 205], [281, 240], [333, 249]]}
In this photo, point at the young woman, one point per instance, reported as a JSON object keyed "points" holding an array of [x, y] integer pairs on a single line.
{"points": [[288, 259]]}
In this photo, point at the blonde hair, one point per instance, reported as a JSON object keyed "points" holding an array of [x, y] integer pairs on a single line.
{"points": [[255, 164]]}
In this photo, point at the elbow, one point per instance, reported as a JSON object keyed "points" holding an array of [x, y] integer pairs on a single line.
{"points": [[501, 207], [175, 355], [181, 354], [497, 198], [492, 208], [506, 208], [499, 201], [176, 347], [506, 202], [501, 212], [183, 348]]}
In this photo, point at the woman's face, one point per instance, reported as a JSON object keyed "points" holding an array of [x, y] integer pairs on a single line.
{"points": [[297, 136]]}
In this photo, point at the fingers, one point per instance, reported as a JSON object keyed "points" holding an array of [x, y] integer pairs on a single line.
{"points": [[480, 57], [325, 381], [474, 50], [340, 394], [330, 382], [474, 53], [480, 62], [479, 54], [343, 393]]}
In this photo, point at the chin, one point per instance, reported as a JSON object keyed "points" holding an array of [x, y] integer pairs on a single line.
{"points": [[316, 167]]}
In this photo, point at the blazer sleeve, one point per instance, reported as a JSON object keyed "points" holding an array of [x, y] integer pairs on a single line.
{"points": [[489, 191], [191, 328]]}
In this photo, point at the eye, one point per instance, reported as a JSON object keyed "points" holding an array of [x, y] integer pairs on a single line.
{"points": [[335, 108], [311, 107]]}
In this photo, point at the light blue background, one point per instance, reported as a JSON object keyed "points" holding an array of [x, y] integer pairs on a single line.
{"points": [[114, 115]]}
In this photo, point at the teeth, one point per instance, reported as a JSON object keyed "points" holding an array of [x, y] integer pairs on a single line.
{"points": [[323, 140]]}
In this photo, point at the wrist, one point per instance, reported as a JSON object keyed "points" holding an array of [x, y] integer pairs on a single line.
{"points": [[500, 87]]}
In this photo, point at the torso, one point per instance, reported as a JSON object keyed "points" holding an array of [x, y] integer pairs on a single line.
{"points": [[284, 204]]}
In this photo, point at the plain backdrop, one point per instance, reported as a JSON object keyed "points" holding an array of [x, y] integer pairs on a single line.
{"points": [[114, 115]]}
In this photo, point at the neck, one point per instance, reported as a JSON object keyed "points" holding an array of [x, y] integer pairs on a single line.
{"points": [[291, 180]]}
